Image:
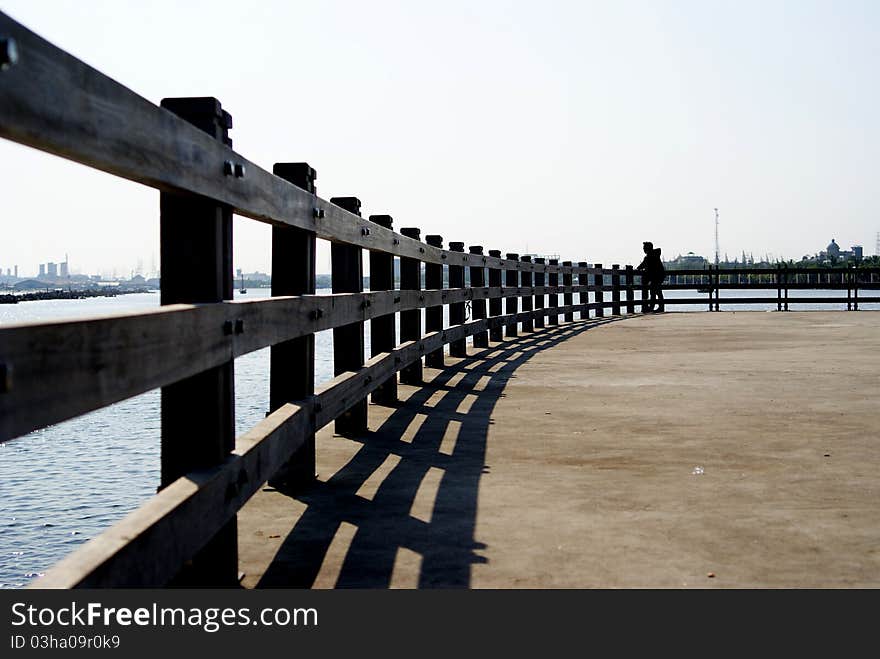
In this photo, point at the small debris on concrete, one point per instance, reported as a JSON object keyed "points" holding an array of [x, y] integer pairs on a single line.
{"points": [[711, 575]]}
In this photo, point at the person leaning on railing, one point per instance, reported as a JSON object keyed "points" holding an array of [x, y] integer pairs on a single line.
{"points": [[654, 274]]}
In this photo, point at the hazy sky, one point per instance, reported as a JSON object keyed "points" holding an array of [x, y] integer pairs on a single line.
{"points": [[578, 128]]}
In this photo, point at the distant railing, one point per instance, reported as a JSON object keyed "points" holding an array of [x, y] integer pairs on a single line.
{"points": [[186, 534], [854, 280]]}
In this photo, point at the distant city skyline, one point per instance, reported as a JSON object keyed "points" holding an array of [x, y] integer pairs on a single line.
{"points": [[126, 272]]}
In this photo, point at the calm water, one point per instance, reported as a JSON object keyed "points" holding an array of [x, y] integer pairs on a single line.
{"points": [[63, 485]]}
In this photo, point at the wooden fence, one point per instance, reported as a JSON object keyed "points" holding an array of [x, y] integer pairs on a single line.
{"points": [[186, 534], [854, 280]]}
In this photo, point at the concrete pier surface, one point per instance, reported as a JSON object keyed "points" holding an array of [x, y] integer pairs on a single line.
{"points": [[678, 450]]}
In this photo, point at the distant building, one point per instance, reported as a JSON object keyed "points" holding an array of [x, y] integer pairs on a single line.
{"points": [[52, 269], [65, 272], [42, 270], [833, 253], [689, 261]]}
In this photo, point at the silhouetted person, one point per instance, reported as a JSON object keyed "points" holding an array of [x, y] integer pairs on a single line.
{"points": [[654, 274]]}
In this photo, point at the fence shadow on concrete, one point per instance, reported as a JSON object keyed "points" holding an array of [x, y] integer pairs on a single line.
{"points": [[463, 395]]}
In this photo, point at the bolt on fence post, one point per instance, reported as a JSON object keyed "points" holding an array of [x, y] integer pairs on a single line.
{"points": [[198, 413], [528, 323], [292, 363], [584, 295], [553, 301], [434, 314], [411, 320], [630, 293], [615, 290], [511, 277], [347, 276], [478, 304], [383, 334], [599, 293], [540, 282], [495, 331], [567, 297], [457, 348]]}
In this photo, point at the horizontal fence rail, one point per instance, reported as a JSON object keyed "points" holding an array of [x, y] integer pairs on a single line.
{"points": [[101, 361]]}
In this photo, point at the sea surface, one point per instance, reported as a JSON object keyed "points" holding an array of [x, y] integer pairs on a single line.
{"points": [[65, 484]]}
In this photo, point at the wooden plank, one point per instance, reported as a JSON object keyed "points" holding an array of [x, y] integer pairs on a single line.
{"points": [[495, 303], [292, 363], [411, 321], [511, 282], [553, 298], [347, 276], [456, 309], [567, 297], [540, 292], [383, 333], [630, 293], [101, 361], [478, 280], [615, 289], [434, 314], [583, 290], [528, 325], [198, 413]]}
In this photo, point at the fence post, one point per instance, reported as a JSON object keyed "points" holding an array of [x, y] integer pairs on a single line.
{"points": [[540, 279], [553, 299], [615, 290], [292, 363], [411, 320], [434, 314], [583, 295], [567, 296], [785, 274], [512, 281], [855, 285], [478, 305], [599, 295], [630, 294], [778, 287], [457, 348], [383, 333], [347, 266], [198, 413], [528, 324], [496, 334]]}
